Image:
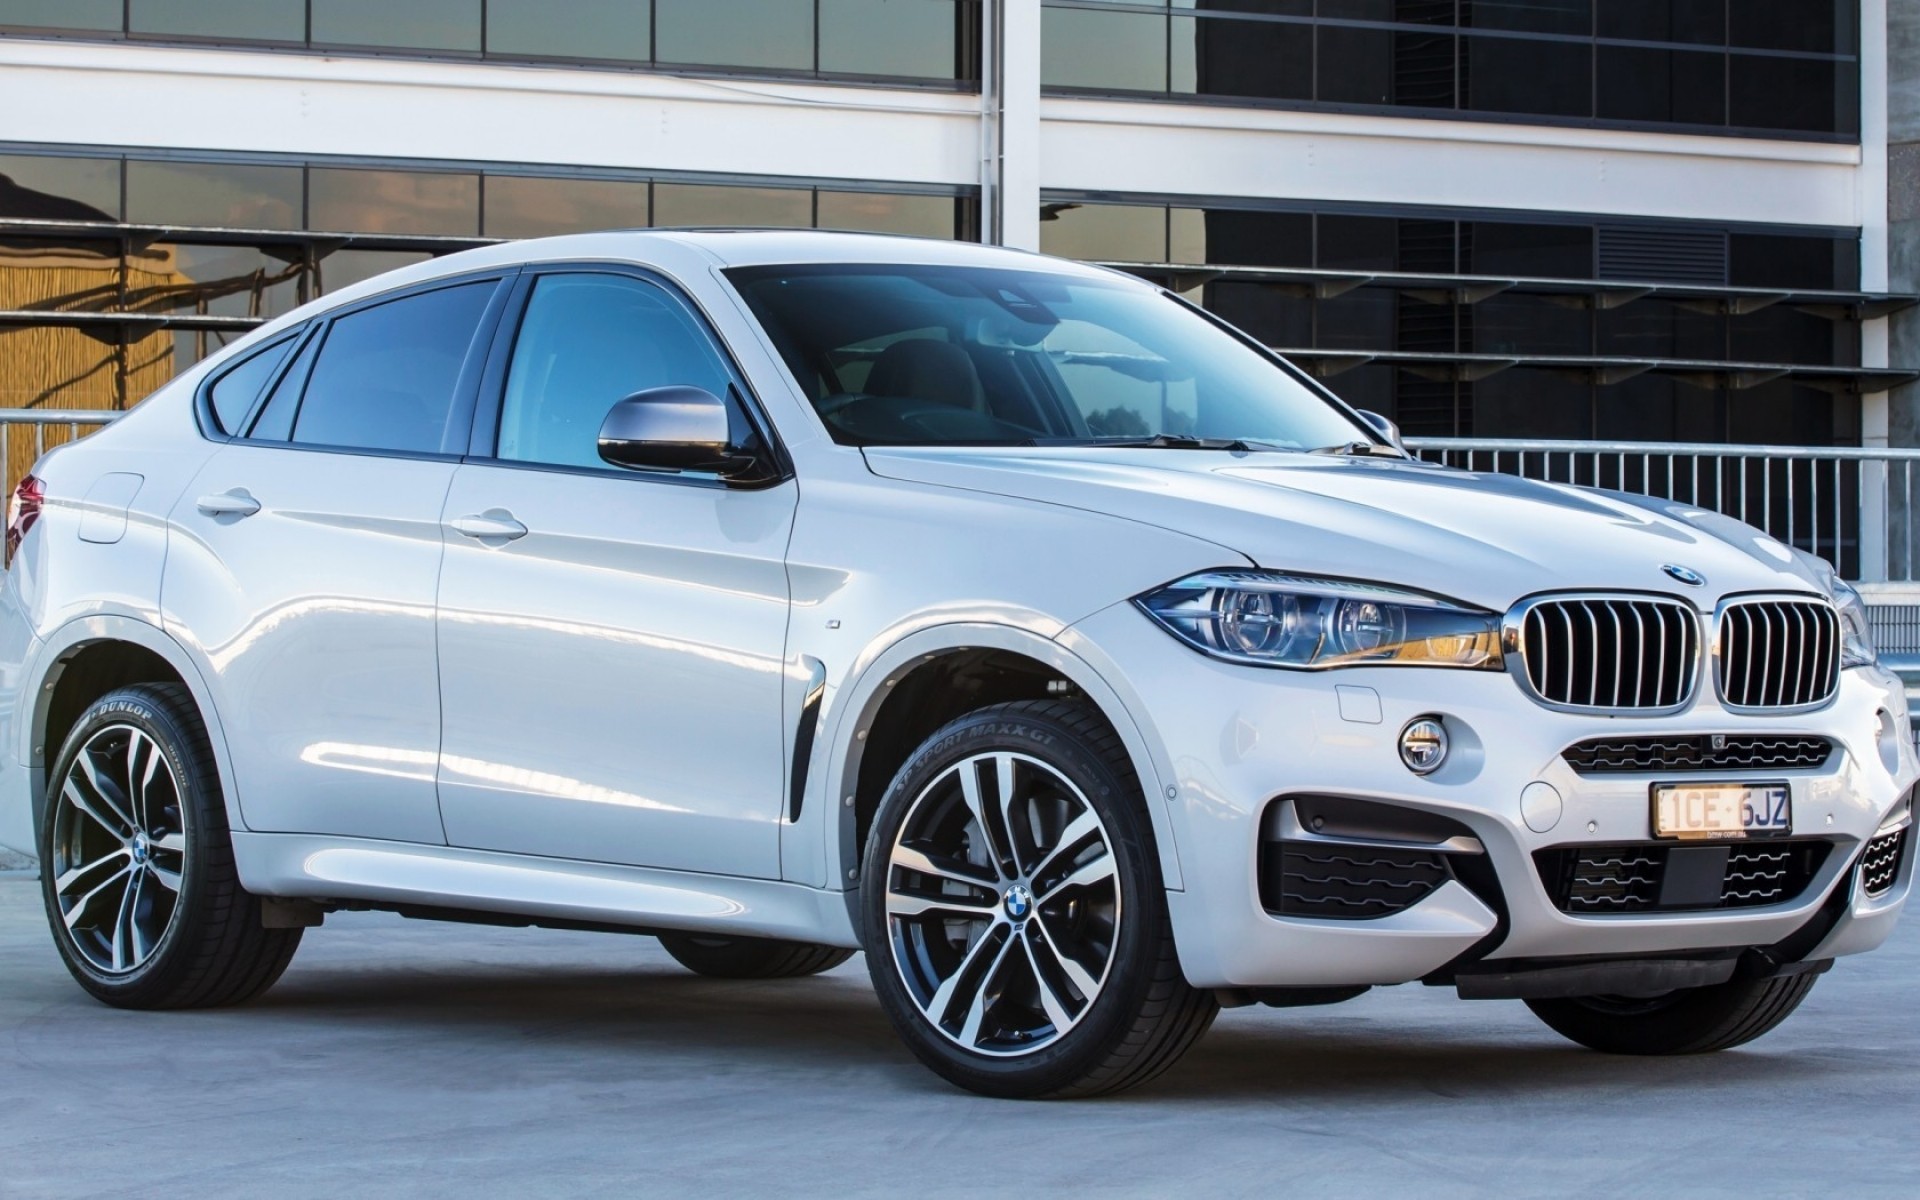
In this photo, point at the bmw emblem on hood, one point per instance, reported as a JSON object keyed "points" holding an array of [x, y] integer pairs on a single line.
{"points": [[1685, 575]]}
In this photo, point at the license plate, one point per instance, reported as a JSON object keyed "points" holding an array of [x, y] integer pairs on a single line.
{"points": [[1721, 810]]}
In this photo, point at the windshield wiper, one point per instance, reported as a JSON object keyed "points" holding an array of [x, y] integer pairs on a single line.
{"points": [[1167, 441], [1357, 449]]}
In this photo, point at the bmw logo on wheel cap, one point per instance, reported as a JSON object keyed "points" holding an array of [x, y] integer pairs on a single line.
{"points": [[1686, 575]]}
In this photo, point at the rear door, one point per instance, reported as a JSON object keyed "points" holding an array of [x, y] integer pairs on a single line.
{"points": [[610, 640], [305, 556]]}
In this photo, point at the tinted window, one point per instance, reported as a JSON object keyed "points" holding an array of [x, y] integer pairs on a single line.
{"points": [[385, 377], [586, 342], [61, 14], [616, 29], [417, 24], [234, 393], [257, 20]]}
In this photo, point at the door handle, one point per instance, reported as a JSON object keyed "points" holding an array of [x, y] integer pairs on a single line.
{"points": [[495, 523], [234, 502]]}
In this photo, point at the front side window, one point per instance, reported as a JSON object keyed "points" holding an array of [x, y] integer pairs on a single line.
{"points": [[918, 355], [385, 377], [587, 342]]}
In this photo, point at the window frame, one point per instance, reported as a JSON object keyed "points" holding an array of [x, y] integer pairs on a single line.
{"points": [[466, 387], [207, 420], [484, 439]]}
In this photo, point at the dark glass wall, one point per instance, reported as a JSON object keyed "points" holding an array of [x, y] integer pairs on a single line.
{"points": [[1470, 334], [902, 41], [1781, 67], [250, 240]]}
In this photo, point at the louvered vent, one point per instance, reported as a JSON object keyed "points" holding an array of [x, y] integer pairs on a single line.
{"points": [[1662, 255]]}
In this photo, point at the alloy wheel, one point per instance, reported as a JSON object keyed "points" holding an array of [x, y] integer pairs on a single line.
{"points": [[1003, 904], [119, 849]]}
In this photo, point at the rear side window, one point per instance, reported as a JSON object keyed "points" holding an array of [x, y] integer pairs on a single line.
{"points": [[385, 377], [232, 395]]}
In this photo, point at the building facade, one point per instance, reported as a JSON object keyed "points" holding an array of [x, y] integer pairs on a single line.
{"points": [[1613, 219]]}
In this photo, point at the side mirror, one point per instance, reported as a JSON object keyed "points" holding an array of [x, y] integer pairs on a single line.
{"points": [[1386, 429], [677, 429]]}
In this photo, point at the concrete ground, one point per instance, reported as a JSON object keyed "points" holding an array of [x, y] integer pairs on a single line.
{"points": [[404, 1058]]}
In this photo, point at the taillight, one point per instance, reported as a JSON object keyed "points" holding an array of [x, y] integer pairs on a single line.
{"points": [[23, 509]]}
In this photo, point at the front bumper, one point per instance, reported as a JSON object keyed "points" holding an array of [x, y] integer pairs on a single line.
{"points": [[1234, 741]]}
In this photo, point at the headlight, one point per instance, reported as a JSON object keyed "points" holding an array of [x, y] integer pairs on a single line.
{"points": [[1276, 620], [1856, 635]]}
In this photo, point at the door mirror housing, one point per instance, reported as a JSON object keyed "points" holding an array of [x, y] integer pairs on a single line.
{"points": [[1386, 429], [680, 429]]}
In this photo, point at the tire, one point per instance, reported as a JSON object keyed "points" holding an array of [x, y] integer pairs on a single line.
{"points": [[1024, 950], [1690, 1021], [138, 877], [751, 958]]}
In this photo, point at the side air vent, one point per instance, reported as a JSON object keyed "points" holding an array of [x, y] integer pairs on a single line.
{"points": [[1610, 653], [1880, 865], [1662, 255]]}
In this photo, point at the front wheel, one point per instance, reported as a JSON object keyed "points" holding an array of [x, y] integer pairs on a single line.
{"points": [[1689, 1021], [1015, 920]]}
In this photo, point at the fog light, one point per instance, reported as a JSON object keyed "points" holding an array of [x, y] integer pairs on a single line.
{"points": [[1423, 745]]}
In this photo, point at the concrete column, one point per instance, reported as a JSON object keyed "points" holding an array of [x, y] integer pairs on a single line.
{"points": [[1010, 96]]}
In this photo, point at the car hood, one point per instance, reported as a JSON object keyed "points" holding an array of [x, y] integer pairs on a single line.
{"points": [[1482, 538]]}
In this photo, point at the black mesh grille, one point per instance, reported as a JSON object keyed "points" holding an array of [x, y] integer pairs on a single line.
{"points": [[1611, 653], [1347, 882], [1705, 752], [1880, 865], [1779, 653], [1657, 877]]}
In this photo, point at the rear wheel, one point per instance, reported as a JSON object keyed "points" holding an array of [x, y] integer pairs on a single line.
{"points": [[1015, 919], [1689, 1021], [751, 958], [138, 875]]}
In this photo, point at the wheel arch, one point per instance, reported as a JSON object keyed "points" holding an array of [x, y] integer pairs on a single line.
{"points": [[893, 703], [89, 657]]}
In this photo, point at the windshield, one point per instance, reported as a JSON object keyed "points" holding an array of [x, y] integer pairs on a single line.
{"points": [[919, 355]]}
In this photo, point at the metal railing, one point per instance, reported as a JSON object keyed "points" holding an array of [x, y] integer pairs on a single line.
{"points": [[1851, 506]]}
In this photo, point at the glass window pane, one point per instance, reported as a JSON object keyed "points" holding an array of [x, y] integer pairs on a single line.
{"points": [[61, 275], [220, 281], [1270, 315], [62, 14], [385, 376], [1537, 251], [233, 394], [44, 188], [1520, 76], [1423, 12], [587, 342], [1785, 261], [1356, 65], [1363, 319], [350, 200], [1815, 95], [520, 207], [1703, 21], [1533, 16], [1529, 325], [692, 204], [1104, 232], [344, 268], [1533, 404], [1823, 25], [43, 366], [610, 29], [1639, 84], [1258, 239], [776, 34], [415, 25], [915, 38], [1268, 60], [217, 195], [1358, 243], [922, 216], [1116, 51], [227, 20], [1187, 235]]}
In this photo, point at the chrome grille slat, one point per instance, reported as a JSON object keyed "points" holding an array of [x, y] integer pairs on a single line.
{"points": [[1610, 653], [1778, 654]]}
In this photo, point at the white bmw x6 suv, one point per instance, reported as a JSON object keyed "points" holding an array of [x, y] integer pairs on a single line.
{"points": [[779, 594]]}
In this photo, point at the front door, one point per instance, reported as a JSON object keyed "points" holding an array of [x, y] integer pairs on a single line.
{"points": [[610, 640]]}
